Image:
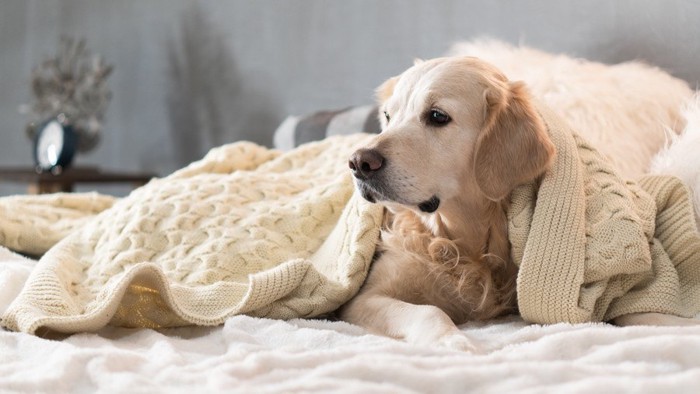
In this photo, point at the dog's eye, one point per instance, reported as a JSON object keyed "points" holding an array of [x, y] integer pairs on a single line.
{"points": [[386, 115], [437, 117]]}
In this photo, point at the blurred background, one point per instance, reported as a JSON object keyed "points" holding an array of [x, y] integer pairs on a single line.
{"points": [[189, 75]]}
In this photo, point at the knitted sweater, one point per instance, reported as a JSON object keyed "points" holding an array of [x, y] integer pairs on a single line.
{"points": [[592, 247], [245, 230]]}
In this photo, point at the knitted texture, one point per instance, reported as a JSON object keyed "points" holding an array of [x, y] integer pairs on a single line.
{"points": [[33, 224], [244, 230], [592, 247]]}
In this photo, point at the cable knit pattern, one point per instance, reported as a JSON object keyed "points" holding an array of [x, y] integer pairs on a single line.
{"points": [[592, 247], [244, 230], [33, 224]]}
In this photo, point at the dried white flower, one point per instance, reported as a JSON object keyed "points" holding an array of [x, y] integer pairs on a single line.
{"points": [[72, 83]]}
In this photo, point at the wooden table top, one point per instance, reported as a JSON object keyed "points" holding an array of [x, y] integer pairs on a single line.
{"points": [[72, 175]]}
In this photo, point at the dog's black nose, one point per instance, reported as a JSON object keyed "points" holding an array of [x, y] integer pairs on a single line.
{"points": [[365, 162]]}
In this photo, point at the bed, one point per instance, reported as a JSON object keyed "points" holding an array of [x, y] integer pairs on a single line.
{"points": [[249, 354], [262, 345]]}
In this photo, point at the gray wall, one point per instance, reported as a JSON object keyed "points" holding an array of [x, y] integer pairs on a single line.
{"points": [[193, 74]]}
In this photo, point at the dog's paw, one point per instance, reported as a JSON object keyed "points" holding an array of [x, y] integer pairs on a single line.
{"points": [[430, 326], [458, 341]]}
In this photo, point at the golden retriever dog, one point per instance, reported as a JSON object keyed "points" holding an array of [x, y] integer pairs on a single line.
{"points": [[457, 137]]}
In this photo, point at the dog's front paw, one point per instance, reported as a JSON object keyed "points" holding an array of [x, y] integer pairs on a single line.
{"points": [[430, 326], [458, 341]]}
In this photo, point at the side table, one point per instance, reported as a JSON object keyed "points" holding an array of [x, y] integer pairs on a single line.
{"points": [[46, 182]]}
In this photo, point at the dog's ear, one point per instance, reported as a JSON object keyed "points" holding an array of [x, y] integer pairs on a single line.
{"points": [[385, 90], [514, 146]]}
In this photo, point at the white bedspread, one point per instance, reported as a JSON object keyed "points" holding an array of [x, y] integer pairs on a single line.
{"points": [[260, 355]]}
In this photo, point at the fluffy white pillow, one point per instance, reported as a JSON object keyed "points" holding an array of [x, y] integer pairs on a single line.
{"points": [[682, 155]]}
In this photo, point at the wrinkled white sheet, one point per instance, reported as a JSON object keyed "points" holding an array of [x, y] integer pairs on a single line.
{"points": [[261, 355]]}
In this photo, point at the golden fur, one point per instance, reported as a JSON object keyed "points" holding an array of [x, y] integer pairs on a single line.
{"points": [[457, 137], [451, 265]]}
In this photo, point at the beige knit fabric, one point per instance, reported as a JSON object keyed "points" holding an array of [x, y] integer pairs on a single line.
{"points": [[245, 230], [592, 247], [33, 224]]}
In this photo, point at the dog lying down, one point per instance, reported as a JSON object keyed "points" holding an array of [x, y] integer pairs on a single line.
{"points": [[457, 139]]}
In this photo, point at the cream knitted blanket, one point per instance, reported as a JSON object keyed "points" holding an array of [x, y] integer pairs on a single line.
{"points": [[250, 230], [592, 247], [244, 230]]}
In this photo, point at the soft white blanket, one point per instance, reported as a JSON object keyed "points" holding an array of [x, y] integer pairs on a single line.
{"points": [[250, 354]]}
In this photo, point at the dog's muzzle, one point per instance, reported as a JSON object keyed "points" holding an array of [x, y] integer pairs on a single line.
{"points": [[367, 166]]}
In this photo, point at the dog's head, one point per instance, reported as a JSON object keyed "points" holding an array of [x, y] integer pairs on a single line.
{"points": [[451, 126]]}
